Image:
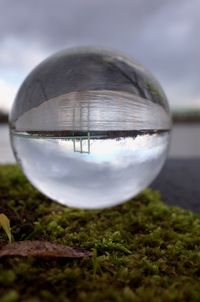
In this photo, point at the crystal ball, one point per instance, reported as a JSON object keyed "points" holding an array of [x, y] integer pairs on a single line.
{"points": [[90, 127]]}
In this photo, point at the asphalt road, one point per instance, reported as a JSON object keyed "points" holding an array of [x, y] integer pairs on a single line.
{"points": [[179, 183]]}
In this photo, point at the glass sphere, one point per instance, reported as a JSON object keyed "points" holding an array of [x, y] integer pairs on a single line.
{"points": [[90, 127]]}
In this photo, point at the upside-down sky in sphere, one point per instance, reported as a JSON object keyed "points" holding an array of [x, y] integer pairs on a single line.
{"points": [[163, 35]]}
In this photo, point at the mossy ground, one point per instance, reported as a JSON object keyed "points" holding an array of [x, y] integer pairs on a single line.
{"points": [[143, 250]]}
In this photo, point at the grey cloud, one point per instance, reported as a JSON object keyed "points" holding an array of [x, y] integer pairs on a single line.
{"points": [[63, 21], [161, 34]]}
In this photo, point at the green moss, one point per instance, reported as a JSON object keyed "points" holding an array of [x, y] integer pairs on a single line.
{"points": [[143, 250]]}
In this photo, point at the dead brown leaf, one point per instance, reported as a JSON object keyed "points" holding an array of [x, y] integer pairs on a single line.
{"points": [[42, 249]]}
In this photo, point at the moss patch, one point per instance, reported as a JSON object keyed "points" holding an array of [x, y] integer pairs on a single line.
{"points": [[143, 250]]}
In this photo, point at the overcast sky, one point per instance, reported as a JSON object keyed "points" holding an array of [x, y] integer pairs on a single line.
{"points": [[164, 35]]}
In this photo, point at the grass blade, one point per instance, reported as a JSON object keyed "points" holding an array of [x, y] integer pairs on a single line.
{"points": [[5, 224]]}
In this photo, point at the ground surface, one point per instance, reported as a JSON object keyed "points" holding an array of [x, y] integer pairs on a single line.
{"points": [[179, 183], [143, 250]]}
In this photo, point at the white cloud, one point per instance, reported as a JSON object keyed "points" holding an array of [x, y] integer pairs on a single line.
{"points": [[16, 61], [7, 94]]}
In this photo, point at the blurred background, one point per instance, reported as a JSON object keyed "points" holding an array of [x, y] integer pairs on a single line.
{"points": [[163, 35]]}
